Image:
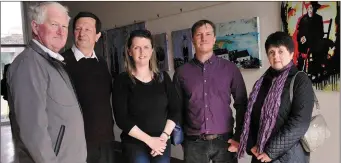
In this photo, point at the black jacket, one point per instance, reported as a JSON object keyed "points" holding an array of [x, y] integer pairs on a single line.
{"points": [[292, 121]]}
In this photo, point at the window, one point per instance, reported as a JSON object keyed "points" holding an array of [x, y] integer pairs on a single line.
{"points": [[12, 41]]}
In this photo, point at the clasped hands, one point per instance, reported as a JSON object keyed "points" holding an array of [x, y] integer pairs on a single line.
{"points": [[260, 156], [158, 144]]}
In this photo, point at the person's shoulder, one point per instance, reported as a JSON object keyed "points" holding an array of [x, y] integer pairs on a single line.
{"points": [[302, 76], [302, 79], [181, 70], [164, 75], [26, 56], [227, 64], [318, 16], [122, 77], [67, 54]]}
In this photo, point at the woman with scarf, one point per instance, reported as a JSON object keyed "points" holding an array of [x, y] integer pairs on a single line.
{"points": [[273, 126]]}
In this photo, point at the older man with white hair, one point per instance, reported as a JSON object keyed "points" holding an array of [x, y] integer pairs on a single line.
{"points": [[47, 119]]}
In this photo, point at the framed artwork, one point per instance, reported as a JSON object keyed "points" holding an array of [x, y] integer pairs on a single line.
{"points": [[115, 42], [315, 29], [161, 50], [182, 47], [238, 41]]}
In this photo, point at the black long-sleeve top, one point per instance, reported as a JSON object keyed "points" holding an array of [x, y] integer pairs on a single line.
{"points": [[146, 105]]}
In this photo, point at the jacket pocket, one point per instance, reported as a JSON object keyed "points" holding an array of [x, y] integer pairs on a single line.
{"points": [[59, 139]]}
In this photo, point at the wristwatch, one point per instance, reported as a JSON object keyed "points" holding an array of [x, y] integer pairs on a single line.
{"points": [[168, 136]]}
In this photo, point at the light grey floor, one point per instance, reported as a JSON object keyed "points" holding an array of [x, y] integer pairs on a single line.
{"points": [[7, 150]]}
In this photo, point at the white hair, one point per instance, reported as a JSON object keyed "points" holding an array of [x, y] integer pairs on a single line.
{"points": [[38, 11]]}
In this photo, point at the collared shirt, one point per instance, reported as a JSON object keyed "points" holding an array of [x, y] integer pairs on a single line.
{"points": [[48, 51], [79, 55], [206, 90]]}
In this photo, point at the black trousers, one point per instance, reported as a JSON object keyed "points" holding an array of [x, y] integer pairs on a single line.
{"points": [[101, 153], [204, 151]]}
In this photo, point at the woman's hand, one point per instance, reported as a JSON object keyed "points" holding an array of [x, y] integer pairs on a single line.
{"points": [[260, 156], [254, 151], [163, 137], [157, 144], [264, 157]]}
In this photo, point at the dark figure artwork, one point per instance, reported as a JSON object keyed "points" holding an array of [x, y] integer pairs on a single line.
{"points": [[314, 27]]}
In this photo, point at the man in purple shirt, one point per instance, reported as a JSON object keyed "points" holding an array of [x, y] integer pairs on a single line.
{"points": [[205, 85]]}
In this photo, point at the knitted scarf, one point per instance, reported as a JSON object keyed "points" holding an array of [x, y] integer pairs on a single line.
{"points": [[269, 110]]}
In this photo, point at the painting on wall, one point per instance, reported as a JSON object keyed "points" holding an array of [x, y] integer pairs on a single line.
{"points": [[315, 29], [238, 41], [115, 42], [182, 47], [161, 50]]}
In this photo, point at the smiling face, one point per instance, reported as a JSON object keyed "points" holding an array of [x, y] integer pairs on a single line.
{"points": [[141, 51], [85, 33], [53, 32], [279, 57], [204, 39]]}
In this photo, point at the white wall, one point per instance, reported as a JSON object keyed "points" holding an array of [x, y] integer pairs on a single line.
{"points": [[123, 13]]}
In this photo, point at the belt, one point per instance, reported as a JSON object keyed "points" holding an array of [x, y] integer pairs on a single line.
{"points": [[205, 136]]}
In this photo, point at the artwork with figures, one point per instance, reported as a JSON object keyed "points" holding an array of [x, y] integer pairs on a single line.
{"points": [[115, 46], [238, 41], [315, 29], [161, 50], [182, 47]]}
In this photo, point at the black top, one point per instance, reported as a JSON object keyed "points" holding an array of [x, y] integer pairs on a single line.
{"points": [[292, 121], [93, 85], [146, 105]]}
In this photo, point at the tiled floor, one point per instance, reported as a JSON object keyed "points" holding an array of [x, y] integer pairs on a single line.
{"points": [[7, 150], [8, 154]]}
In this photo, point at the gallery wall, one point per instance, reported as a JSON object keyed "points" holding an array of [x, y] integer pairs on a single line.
{"points": [[171, 20], [269, 18]]}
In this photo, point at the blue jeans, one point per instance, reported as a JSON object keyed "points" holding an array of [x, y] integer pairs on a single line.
{"points": [[140, 153], [204, 151]]}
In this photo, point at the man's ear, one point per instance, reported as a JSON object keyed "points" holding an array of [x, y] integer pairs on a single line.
{"points": [[34, 26], [98, 35]]}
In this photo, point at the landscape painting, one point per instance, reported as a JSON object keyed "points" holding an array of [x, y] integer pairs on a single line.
{"points": [[238, 41]]}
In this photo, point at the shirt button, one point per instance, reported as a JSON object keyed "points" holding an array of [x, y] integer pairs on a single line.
{"points": [[206, 106], [204, 69], [204, 81], [205, 94], [206, 119]]}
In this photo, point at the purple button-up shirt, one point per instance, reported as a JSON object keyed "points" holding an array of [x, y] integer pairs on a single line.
{"points": [[206, 90]]}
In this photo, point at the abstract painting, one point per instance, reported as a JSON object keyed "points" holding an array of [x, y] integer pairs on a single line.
{"points": [[238, 42], [315, 29], [115, 43], [161, 50], [182, 47]]}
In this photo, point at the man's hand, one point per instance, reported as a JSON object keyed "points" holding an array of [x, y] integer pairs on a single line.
{"points": [[264, 157], [234, 145]]}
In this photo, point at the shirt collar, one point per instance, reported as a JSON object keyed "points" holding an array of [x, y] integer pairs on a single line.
{"points": [[48, 51], [209, 61], [79, 55]]}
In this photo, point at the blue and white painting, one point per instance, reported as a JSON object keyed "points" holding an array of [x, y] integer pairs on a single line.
{"points": [[161, 50], [238, 41], [182, 47]]}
